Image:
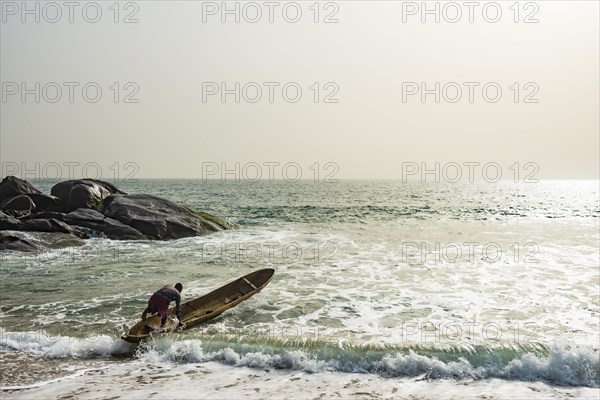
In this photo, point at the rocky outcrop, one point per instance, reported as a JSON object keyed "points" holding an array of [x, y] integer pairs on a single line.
{"points": [[8, 222], [51, 225], [159, 218], [12, 186], [112, 228], [45, 203], [18, 206], [83, 193], [37, 241], [89, 207]]}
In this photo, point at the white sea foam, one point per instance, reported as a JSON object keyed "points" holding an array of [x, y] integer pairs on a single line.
{"points": [[43, 344], [575, 366], [142, 381], [562, 366]]}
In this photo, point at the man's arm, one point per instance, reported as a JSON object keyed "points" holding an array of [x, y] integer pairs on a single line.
{"points": [[144, 314], [178, 313]]}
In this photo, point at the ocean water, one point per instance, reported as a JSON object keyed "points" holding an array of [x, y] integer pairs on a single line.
{"points": [[435, 281]]}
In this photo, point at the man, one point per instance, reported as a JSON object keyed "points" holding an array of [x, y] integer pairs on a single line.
{"points": [[159, 302]]}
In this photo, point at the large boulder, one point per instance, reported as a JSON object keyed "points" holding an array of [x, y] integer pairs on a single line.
{"points": [[8, 222], [112, 228], [50, 225], [12, 186], [44, 202], [85, 207], [83, 193], [16, 241], [160, 218], [49, 214], [18, 206], [37, 241]]}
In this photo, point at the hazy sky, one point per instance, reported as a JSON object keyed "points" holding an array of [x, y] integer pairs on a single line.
{"points": [[367, 73]]}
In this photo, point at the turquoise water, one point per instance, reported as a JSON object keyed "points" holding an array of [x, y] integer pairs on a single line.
{"points": [[399, 279]]}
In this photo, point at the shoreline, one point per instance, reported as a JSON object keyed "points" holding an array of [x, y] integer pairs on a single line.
{"points": [[23, 370], [208, 380]]}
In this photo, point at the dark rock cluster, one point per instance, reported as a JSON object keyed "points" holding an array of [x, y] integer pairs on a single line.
{"points": [[79, 209]]}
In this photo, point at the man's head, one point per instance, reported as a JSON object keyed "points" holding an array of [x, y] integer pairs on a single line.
{"points": [[179, 287]]}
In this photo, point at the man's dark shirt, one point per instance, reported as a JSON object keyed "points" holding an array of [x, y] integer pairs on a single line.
{"points": [[170, 293]]}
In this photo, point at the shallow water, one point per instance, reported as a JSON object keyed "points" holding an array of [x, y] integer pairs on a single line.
{"points": [[444, 281]]}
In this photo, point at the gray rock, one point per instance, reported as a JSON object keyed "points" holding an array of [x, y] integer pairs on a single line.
{"points": [[112, 228], [37, 241], [82, 208], [160, 218], [18, 206], [17, 241], [83, 193], [45, 203], [49, 214], [12, 186], [50, 225], [8, 222]]}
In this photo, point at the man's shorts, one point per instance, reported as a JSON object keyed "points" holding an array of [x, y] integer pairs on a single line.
{"points": [[158, 304]]}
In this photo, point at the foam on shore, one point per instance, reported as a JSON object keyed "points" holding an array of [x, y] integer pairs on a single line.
{"points": [[138, 380], [559, 365]]}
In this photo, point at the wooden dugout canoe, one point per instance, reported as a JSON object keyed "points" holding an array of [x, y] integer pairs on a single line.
{"points": [[206, 307]]}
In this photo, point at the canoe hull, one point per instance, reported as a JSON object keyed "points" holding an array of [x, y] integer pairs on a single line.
{"points": [[207, 307]]}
